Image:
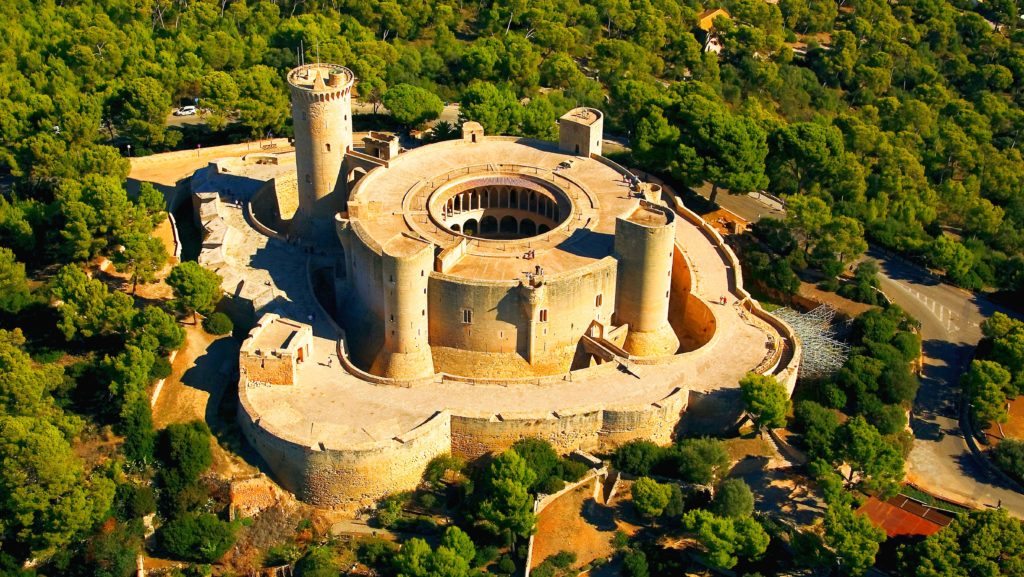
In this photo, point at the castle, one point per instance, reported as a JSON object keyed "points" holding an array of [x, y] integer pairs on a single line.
{"points": [[491, 288]]}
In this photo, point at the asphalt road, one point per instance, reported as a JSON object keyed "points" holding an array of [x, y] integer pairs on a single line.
{"points": [[940, 461]]}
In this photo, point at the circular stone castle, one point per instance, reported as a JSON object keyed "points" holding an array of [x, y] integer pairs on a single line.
{"points": [[489, 288]]}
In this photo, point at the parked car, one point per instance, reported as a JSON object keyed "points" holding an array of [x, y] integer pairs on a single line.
{"points": [[185, 111]]}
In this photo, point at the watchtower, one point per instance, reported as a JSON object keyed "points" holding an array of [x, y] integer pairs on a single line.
{"points": [[644, 245], [580, 131], [322, 116]]}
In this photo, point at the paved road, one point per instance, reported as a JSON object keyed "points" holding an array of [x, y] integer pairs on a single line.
{"points": [[940, 461]]}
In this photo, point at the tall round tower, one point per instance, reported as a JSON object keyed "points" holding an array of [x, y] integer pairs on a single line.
{"points": [[644, 245], [322, 116], [407, 263]]}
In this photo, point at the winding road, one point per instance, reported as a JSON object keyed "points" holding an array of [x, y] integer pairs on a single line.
{"points": [[941, 462]]}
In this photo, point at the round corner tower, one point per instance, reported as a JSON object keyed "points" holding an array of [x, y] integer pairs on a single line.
{"points": [[407, 263], [644, 245], [322, 117]]}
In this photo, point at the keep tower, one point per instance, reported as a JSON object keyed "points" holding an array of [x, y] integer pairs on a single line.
{"points": [[322, 117]]}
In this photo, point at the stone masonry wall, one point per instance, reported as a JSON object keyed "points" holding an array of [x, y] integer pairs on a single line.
{"points": [[279, 370]]}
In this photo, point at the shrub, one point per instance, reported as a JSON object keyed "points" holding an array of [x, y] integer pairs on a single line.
{"points": [[426, 500], [650, 497], [485, 555], [733, 499], [185, 452], [278, 555], [562, 559], [317, 562], [506, 565], [439, 465], [374, 551], [218, 324], [635, 564], [620, 540], [702, 461], [133, 501], [389, 512], [551, 485], [198, 537], [1009, 455], [572, 471], [637, 457], [161, 369]]}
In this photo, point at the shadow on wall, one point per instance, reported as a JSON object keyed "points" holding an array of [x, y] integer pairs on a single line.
{"points": [[715, 413]]}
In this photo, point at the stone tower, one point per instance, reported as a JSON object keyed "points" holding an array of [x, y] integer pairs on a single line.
{"points": [[580, 131], [322, 116], [407, 263], [644, 245]]}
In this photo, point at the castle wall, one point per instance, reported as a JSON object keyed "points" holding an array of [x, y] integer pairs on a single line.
{"points": [[690, 317], [347, 478], [507, 320]]}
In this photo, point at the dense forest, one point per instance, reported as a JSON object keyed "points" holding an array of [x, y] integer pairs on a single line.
{"points": [[902, 117], [892, 122]]}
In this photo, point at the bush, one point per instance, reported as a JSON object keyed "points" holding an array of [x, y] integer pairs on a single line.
{"points": [[427, 500], [484, 555], [635, 564], [506, 565], [161, 369], [551, 485], [136, 425], [218, 324], [1009, 455], [317, 562], [733, 499], [375, 552], [702, 461], [389, 512], [572, 471], [438, 466], [278, 555], [637, 457], [620, 540], [185, 451], [200, 537], [562, 559], [133, 501]]}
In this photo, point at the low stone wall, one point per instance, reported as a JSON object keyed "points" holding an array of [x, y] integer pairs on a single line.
{"points": [[786, 373], [346, 478]]}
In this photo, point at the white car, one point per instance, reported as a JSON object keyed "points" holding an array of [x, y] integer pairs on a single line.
{"points": [[185, 111]]}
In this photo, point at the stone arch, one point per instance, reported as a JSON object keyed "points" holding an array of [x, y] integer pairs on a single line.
{"points": [[488, 225], [509, 225], [527, 227], [356, 174], [456, 228], [543, 228], [471, 227]]}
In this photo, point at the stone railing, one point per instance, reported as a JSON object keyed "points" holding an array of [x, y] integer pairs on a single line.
{"points": [[785, 374]]}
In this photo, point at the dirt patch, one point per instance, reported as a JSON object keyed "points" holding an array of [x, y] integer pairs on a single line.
{"points": [[740, 448], [577, 523], [842, 305], [1013, 428], [203, 370]]}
